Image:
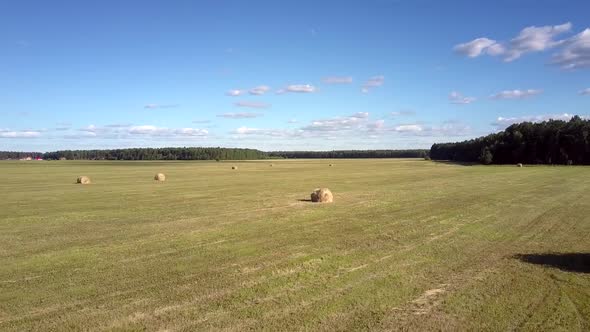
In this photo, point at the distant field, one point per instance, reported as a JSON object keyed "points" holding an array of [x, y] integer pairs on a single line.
{"points": [[408, 244]]}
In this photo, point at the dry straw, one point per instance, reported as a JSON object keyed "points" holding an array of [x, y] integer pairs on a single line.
{"points": [[160, 177], [83, 180], [322, 195]]}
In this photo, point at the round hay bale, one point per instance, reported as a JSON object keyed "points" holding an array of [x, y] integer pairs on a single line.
{"points": [[234, 167], [83, 180], [160, 177], [271, 165], [519, 165], [330, 165], [322, 195]]}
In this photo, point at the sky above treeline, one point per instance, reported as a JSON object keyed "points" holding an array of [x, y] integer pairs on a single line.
{"points": [[285, 75]]}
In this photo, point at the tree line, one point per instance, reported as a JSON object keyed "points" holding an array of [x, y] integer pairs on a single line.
{"points": [[19, 155], [158, 154], [350, 154], [548, 142], [207, 154]]}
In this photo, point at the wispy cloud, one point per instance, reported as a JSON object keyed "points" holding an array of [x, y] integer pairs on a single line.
{"points": [[259, 90], [298, 88], [118, 125], [457, 98], [122, 132], [337, 80], [249, 131], [585, 92], [156, 106], [516, 94], [373, 82], [353, 121], [530, 39], [150, 130], [242, 115], [402, 113], [5, 133], [446, 129], [575, 53], [252, 104], [63, 126]]}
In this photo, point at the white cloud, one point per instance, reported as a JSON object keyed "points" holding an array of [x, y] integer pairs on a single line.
{"points": [[478, 46], [241, 115], [501, 122], [150, 130], [19, 134], [124, 131], [155, 106], [146, 130], [192, 132], [585, 92], [446, 129], [457, 98], [259, 90], [234, 93], [575, 53], [337, 80], [247, 131], [353, 128], [293, 121], [251, 104], [535, 39], [409, 128], [91, 129], [360, 115], [375, 126], [354, 121], [300, 88], [530, 39], [516, 94]]}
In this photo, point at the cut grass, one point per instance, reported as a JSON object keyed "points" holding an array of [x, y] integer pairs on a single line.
{"points": [[407, 244]]}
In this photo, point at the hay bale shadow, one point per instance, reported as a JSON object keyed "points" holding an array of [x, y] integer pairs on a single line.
{"points": [[569, 262], [305, 200]]}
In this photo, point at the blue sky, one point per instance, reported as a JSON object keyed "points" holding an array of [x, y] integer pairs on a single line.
{"points": [[274, 75]]}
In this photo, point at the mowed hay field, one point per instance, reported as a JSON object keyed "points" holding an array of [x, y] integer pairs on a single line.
{"points": [[407, 244]]}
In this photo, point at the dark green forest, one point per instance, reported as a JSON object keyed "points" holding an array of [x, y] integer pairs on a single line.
{"points": [[158, 154], [19, 155], [350, 154], [207, 154], [548, 142]]}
